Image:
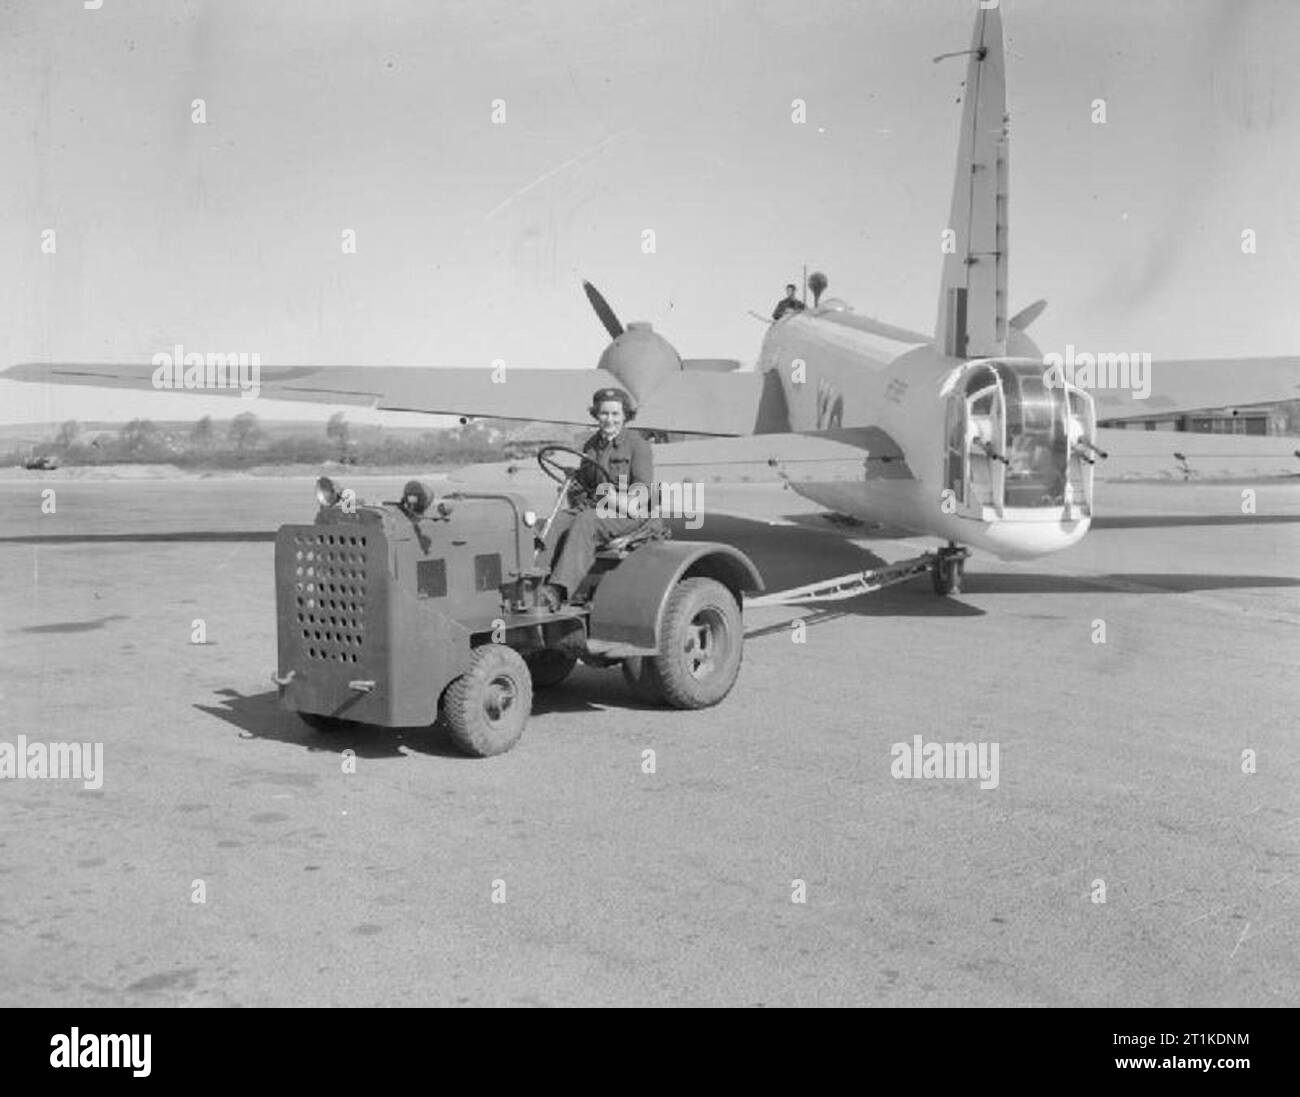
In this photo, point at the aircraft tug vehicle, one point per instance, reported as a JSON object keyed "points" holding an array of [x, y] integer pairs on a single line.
{"points": [[395, 614]]}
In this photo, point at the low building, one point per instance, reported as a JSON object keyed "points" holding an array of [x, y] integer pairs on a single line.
{"points": [[1260, 420]]}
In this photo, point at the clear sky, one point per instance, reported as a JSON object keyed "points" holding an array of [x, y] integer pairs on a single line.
{"points": [[472, 237]]}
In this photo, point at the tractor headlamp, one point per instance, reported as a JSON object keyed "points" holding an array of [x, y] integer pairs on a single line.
{"points": [[327, 494]]}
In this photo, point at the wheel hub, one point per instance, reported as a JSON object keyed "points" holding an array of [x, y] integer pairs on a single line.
{"points": [[702, 642], [499, 698]]}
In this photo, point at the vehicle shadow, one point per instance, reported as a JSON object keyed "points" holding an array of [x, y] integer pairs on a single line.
{"points": [[588, 689], [260, 716]]}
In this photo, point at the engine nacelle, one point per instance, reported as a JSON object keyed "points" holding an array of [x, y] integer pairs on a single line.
{"points": [[640, 358]]}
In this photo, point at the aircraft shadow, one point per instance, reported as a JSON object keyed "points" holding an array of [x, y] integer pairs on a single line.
{"points": [[916, 599], [795, 555], [823, 521], [786, 556], [1116, 582]]}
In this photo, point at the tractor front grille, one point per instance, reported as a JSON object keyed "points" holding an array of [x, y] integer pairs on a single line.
{"points": [[329, 589]]}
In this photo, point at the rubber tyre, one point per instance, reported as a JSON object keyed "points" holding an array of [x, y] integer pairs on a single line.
{"points": [[550, 667], [486, 708], [642, 678], [946, 577], [327, 725], [690, 674]]}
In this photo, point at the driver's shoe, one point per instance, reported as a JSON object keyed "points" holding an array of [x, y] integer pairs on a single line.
{"points": [[550, 597]]}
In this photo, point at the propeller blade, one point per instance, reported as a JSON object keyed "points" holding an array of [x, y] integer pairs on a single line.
{"points": [[603, 310], [1028, 315]]}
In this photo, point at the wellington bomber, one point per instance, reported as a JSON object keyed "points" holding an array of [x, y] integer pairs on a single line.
{"points": [[394, 614], [966, 432]]}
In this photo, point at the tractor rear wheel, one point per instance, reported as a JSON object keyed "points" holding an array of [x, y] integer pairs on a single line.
{"points": [[701, 646]]}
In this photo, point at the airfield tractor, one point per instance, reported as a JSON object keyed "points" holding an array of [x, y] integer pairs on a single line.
{"points": [[399, 613]]}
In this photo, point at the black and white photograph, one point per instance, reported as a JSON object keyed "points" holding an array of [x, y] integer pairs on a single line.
{"points": [[604, 504]]}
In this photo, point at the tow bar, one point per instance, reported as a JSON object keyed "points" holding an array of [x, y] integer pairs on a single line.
{"points": [[859, 582]]}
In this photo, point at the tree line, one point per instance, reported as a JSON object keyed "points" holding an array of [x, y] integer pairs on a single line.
{"points": [[244, 442]]}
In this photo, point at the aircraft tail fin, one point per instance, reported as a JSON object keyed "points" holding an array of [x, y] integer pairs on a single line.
{"points": [[972, 321]]}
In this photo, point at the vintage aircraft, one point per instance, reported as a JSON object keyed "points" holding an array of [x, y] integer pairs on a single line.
{"points": [[963, 434]]}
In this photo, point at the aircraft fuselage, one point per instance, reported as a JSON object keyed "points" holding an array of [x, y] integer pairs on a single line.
{"points": [[984, 453]]}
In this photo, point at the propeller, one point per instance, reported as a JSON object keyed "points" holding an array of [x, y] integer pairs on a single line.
{"points": [[643, 359], [1028, 315], [606, 314]]}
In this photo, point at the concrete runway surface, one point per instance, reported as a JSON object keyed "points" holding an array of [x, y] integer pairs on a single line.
{"points": [[1119, 763]]}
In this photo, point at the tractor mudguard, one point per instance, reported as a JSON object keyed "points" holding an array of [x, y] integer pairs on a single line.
{"points": [[627, 611]]}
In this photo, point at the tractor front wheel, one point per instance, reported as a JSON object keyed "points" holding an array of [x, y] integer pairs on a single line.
{"points": [[487, 707]]}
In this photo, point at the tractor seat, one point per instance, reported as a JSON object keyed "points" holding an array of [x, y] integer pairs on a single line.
{"points": [[652, 529]]}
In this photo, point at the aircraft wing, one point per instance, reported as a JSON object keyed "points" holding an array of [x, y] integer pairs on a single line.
{"points": [[691, 401], [1185, 385]]}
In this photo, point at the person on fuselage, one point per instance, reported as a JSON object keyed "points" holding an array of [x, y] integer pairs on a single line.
{"points": [[576, 535], [788, 303]]}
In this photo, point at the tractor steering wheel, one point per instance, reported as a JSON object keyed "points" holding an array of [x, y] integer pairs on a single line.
{"points": [[566, 475]]}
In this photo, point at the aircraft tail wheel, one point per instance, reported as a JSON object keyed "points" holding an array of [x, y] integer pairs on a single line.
{"points": [[946, 576]]}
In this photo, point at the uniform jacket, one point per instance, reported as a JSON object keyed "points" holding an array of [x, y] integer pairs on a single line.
{"points": [[628, 455]]}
